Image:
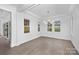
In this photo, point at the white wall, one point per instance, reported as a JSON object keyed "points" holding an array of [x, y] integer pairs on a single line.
{"points": [[75, 27], [24, 37], [0, 26], [65, 28]]}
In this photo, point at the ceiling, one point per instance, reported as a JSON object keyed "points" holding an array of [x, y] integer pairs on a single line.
{"points": [[44, 10], [4, 14]]}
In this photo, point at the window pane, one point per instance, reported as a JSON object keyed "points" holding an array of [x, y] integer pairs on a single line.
{"points": [[38, 27], [26, 26], [57, 26], [49, 27]]}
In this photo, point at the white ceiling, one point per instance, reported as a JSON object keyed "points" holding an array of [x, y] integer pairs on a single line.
{"points": [[50, 9], [45, 9], [4, 14]]}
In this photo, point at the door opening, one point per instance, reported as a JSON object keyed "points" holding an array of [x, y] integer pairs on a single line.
{"points": [[5, 29]]}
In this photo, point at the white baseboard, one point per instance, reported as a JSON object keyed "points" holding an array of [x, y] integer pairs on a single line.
{"points": [[64, 38], [21, 42], [3, 37]]}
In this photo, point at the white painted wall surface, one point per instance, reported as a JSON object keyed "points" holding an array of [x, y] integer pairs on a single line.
{"points": [[24, 37], [0, 26], [65, 28], [75, 27]]}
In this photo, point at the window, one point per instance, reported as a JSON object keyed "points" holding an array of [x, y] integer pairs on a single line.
{"points": [[38, 27], [26, 26], [57, 26], [54, 27], [49, 27]]}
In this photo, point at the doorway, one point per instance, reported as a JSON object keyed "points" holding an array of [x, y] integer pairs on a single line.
{"points": [[5, 30]]}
